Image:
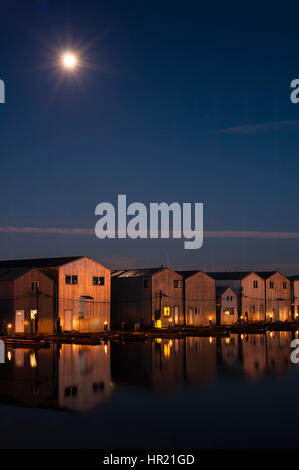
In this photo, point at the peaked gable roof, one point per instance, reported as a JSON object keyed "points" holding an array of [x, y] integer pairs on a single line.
{"points": [[221, 289], [134, 273], [38, 262], [267, 274], [11, 274], [234, 275], [187, 274]]}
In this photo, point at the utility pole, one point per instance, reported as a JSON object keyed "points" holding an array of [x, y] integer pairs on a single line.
{"points": [[37, 314]]}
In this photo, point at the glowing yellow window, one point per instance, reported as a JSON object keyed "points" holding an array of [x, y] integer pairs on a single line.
{"points": [[32, 314], [166, 311], [158, 324]]}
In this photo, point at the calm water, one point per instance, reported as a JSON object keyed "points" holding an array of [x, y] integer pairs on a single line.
{"points": [[189, 393]]}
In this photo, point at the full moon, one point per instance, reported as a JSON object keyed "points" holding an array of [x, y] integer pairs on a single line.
{"points": [[69, 60]]}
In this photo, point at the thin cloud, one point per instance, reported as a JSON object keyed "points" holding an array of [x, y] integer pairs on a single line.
{"points": [[249, 234], [207, 234], [260, 128], [48, 230]]}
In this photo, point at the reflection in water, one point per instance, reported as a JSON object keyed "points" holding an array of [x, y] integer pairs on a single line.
{"points": [[84, 379], [69, 377], [79, 377]]}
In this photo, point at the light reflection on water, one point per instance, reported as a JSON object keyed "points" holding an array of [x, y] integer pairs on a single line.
{"points": [[86, 379]]}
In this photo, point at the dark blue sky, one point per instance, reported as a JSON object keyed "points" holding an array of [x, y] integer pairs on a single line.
{"points": [[161, 115]]}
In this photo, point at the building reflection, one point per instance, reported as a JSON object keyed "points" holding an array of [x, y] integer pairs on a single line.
{"points": [[28, 377], [201, 360], [70, 377], [84, 379], [254, 355], [164, 364], [230, 350], [80, 378], [278, 351]]}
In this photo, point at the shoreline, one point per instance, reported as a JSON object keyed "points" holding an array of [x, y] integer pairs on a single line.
{"points": [[129, 335]]}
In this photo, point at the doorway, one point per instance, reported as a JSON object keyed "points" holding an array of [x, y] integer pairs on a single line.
{"points": [[190, 316], [19, 325]]}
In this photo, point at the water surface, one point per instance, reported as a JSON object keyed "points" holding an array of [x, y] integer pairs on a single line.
{"points": [[232, 392]]}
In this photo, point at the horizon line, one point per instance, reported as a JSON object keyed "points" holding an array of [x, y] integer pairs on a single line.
{"points": [[207, 233]]}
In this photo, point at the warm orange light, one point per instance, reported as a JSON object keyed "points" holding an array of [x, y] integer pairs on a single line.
{"points": [[210, 339], [242, 337], [105, 323], [9, 355], [9, 325], [167, 351], [33, 362], [106, 349]]}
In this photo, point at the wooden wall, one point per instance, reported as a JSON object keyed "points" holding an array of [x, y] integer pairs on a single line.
{"points": [[131, 301], [26, 299], [253, 299], [18, 295], [98, 309], [282, 310], [226, 305], [171, 296], [200, 292]]}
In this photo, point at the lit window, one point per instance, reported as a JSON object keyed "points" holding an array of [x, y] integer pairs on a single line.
{"points": [[71, 279], [98, 281], [32, 314], [177, 283], [166, 311]]}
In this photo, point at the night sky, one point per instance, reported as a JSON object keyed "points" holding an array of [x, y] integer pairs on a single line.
{"points": [[175, 101]]}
